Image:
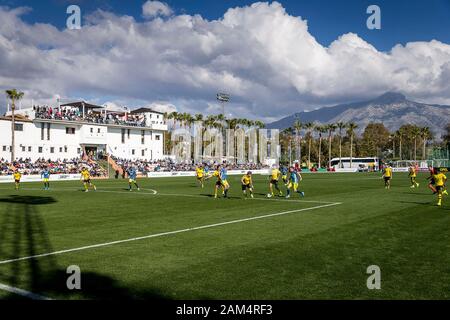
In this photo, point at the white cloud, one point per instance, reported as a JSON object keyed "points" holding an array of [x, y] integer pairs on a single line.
{"points": [[152, 9], [265, 58]]}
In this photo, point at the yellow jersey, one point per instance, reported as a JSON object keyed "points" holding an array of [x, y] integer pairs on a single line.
{"points": [[199, 172], [275, 174], [217, 174], [412, 172], [388, 172], [85, 174], [17, 175], [439, 179], [246, 180]]}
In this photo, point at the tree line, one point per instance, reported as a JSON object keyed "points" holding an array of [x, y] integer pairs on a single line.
{"points": [[319, 143]]}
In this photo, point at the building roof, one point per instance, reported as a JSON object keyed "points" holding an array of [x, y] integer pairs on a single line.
{"points": [[79, 104], [144, 110], [17, 117]]}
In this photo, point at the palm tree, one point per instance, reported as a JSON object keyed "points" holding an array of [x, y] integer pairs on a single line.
{"points": [[14, 96], [392, 137], [259, 124], [399, 134], [415, 133], [340, 126], [309, 127], [320, 129], [331, 128], [425, 134], [351, 132], [298, 143]]}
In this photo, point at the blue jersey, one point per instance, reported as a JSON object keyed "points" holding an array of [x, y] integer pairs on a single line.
{"points": [[284, 171], [206, 169], [132, 174], [293, 177], [45, 174], [223, 174]]}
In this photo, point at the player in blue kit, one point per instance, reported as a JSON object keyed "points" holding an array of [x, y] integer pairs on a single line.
{"points": [[293, 181], [225, 184], [132, 176], [45, 175]]}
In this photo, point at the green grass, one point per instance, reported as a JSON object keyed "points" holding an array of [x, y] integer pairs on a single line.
{"points": [[322, 253]]}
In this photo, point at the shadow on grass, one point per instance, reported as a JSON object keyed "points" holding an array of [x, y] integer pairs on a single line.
{"points": [[23, 233]]}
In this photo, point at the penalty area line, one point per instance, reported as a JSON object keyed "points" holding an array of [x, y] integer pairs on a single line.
{"points": [[23, 293], [162, 234]]}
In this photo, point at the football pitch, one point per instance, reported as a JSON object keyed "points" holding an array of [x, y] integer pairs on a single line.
{"points": [[172, 240]]}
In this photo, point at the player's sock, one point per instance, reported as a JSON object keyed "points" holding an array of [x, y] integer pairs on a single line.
{"points": [[445, 192]]}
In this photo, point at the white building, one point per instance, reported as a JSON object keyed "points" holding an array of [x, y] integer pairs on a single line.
{"points": [[38, 137]]}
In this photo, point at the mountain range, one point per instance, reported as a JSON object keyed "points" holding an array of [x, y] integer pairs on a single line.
{"points": [[392, 109]]}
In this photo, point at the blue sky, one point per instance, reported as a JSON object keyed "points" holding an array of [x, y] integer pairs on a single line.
{"points": [[273, 58], [402, 20]]}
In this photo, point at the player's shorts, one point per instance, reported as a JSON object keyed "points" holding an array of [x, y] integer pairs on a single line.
{"points": [[246, 186], [293, 185], [132, 180], [273, 181], [17, 181], [432, 182], [219, 183], [386, 179], [199, 177], [225, 184], [87, 181], [45, 179]]}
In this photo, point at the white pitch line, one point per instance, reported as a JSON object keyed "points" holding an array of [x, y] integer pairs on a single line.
{"points": [[166, 233], [22, 292]]}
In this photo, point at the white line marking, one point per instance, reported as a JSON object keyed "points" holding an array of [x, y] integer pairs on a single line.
{"points": [[22, 292], [167, 233]]}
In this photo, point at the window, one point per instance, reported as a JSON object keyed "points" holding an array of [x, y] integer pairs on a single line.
{"points": [[92, 130], [18, 126], [98, 130], [157, 137], [48, 131], [143, 152], [40, 149], [132, 152], [23, 148], [4, 148], [65, 149], [42, 130], [29, 149], [60, 149], [157, 116], [143, 136], [123, 135], [78, 150], [128, 133], [52, 149], [70, 130]]}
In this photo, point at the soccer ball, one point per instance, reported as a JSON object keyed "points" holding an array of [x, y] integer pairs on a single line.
{"points": [[269, 195]]}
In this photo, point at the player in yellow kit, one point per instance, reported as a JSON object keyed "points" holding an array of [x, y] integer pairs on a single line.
{"points": [[86, 178], [247, 184], [440, 179], [200, 174], [387, 176], [275, 176], [17, 175], [412, 176]]}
